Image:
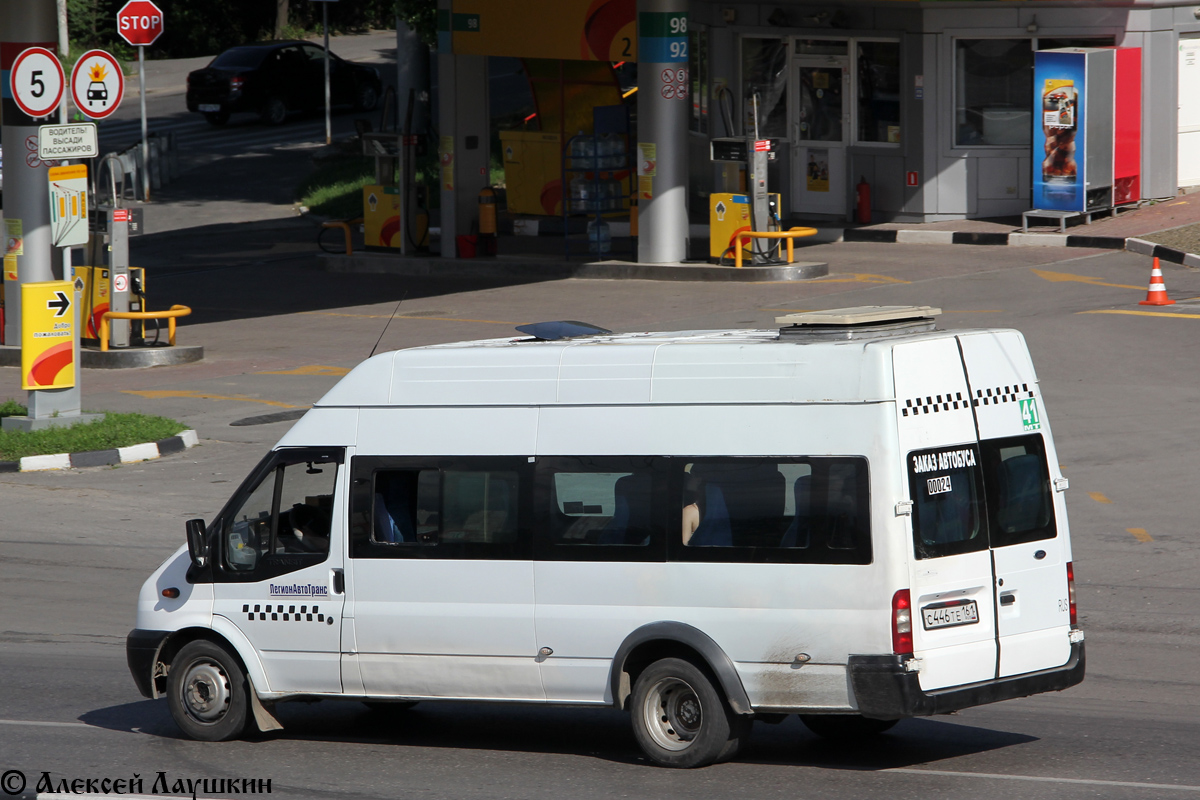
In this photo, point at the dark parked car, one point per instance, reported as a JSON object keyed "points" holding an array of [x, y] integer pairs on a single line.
{"points": [[273, 78]]}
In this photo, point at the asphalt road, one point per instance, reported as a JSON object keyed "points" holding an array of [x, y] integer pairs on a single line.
{"points": [[74, 546], [1120, 391]]}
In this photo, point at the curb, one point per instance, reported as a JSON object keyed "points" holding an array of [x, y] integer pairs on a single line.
{"points": [[1161, 251], [533, 270], [1131, 244], [991, 239], [105, 458]]}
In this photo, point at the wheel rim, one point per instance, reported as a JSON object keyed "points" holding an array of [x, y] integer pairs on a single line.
{"points": [[206, 692], [673, 714]]}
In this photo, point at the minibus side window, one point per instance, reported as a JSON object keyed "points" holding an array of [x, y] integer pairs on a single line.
{"points": [[289, 513], [437, 508], [802, 510], [1019, 499], [946, 488]]}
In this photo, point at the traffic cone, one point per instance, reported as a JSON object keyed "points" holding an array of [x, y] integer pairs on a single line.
{"points": [[1157, 295]]}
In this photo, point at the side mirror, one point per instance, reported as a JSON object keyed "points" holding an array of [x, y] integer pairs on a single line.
{"points": [[197, 541]]}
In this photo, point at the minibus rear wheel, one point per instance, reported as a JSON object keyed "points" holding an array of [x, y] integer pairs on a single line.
{"points": [[680, 719], [845, 726], [207, 692]]}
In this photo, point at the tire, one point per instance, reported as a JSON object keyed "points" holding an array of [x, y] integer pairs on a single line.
{"points": [[274, 112], [366, 98], [208, 693], [680, 719], [844, 727], [216, 118]]}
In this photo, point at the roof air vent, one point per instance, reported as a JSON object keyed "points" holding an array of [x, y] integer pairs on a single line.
{"points": [[562, 329], [860, 322]]}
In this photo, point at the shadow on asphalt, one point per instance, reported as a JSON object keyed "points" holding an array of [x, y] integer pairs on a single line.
{"points": [[260, 269], [599, 733]]}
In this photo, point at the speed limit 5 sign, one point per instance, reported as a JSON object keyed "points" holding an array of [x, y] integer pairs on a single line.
{"points": [[37, 81]]}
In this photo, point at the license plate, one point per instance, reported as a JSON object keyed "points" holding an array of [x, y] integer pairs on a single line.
{"points": [[950, 614], [210, 107]]}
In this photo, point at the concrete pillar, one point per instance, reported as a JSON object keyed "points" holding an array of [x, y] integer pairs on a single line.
{"points": [[412, 73], [24, 23], [663, 125], [463, 126]]}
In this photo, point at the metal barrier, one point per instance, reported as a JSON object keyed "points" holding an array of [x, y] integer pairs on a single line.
{"points": [[344, 224], [169, 316], [789, 235]]}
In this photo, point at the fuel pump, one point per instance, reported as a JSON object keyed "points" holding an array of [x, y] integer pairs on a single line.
{"points": [[111, 284], [757, 210]]}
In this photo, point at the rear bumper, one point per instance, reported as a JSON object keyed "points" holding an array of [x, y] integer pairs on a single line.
{"points": [[141, 651], [884, 690]]}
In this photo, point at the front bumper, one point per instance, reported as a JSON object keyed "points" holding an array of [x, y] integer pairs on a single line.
{"points": [[141, 651], [885, 690]]}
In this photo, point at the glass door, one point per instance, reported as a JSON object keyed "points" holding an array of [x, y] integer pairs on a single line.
{"points": [[820, 133]]}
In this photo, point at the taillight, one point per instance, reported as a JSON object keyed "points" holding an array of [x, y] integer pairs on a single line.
{"points": [[1071, 589], [902, 639], [235, 82]]}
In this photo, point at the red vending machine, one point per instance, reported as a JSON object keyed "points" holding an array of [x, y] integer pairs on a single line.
{"points": [[1088, 138], [1127, 126]]}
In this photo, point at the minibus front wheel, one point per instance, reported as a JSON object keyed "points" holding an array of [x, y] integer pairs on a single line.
{"points": [[207, 692], [680, 719]]}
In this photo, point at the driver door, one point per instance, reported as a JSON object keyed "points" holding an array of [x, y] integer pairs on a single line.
{"points": [[278, 578]]}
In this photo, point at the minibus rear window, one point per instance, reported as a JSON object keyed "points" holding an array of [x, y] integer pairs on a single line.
{"points": [[769, 509], [946, 486], [1019, 498]]}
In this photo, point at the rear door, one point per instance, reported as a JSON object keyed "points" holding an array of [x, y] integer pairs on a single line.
{"points": [[951, 578], [1028, 522]]}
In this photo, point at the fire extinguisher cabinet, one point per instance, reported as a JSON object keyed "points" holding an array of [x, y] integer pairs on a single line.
{"points": [[1087, 128]]}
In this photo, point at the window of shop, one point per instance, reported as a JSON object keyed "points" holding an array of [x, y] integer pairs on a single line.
{"points": [[873, 75], [698, 75], [993, 88], [878, 70], [764, 75]]}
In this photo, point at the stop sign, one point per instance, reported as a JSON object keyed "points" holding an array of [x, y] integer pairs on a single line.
{"points": [[140, 22]]}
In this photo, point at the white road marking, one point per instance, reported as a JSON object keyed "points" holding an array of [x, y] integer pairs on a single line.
{"points": [[1036, 779], [45, 724]]}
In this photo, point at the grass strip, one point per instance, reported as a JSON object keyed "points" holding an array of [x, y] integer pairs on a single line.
{"points": [[115, 430], [334, 189]]}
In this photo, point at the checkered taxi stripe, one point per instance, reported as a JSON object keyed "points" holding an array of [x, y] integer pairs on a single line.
{"points": [[304, 614], [932, 404], [1002, 394]]}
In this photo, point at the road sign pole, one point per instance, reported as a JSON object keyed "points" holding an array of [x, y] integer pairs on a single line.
{"points": [[145, 136], [26, 249], [325, 25]]}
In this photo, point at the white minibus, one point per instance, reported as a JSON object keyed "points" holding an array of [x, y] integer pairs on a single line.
{"points": [[855, 517]]}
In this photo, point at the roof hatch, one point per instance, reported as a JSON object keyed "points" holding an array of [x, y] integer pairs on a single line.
{"points": [[858, 322]]}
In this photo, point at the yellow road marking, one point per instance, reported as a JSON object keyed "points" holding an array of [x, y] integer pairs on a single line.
{"points": [[1140, 534], [1061, 277], [857, 277], [311, 369], [402, 316], [160, 394], [1140, 313], [1099, 497]]}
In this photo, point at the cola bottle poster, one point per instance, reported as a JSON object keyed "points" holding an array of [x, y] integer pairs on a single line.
{"points": [[1060, 117]]}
